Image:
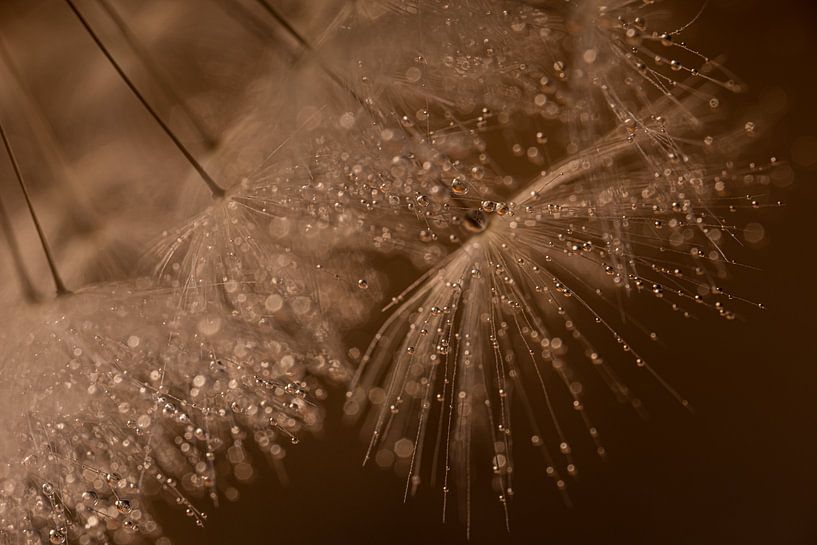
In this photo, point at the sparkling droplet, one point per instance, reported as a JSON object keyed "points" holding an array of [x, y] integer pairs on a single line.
{"points": [[123, 506], [458, 187]]}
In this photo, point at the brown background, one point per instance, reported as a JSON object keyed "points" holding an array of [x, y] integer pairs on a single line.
{"points": [[741, 470]]}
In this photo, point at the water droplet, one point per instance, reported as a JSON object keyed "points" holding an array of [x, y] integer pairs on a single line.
{"points": [[90, 496], [123, 506]]}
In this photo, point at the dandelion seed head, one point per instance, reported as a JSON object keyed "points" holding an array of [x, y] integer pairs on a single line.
{"points": [[551, 259], [557, 174], [122, 397]]}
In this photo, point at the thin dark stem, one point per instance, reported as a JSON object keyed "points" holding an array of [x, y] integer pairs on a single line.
{"points": [[156, 73], [49, 144], [251, 23], [61, 289], [244, 17], [285, 23], [304, 43], [16, 257], [340, 81], [216, 190]]}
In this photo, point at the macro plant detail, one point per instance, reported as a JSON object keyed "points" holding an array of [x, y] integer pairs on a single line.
{"points": [[506, 196]]}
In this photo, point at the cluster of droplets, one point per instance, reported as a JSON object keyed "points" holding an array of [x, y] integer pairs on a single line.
{"points": [[541, 164], [548, 168], [622, 191], [124, 397]]}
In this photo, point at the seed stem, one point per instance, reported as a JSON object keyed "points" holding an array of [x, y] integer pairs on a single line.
{"points": [[58, 283], [156, 73], [307, 46], [49, 144], [16, 257], [216, 190], [278, 16]]}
